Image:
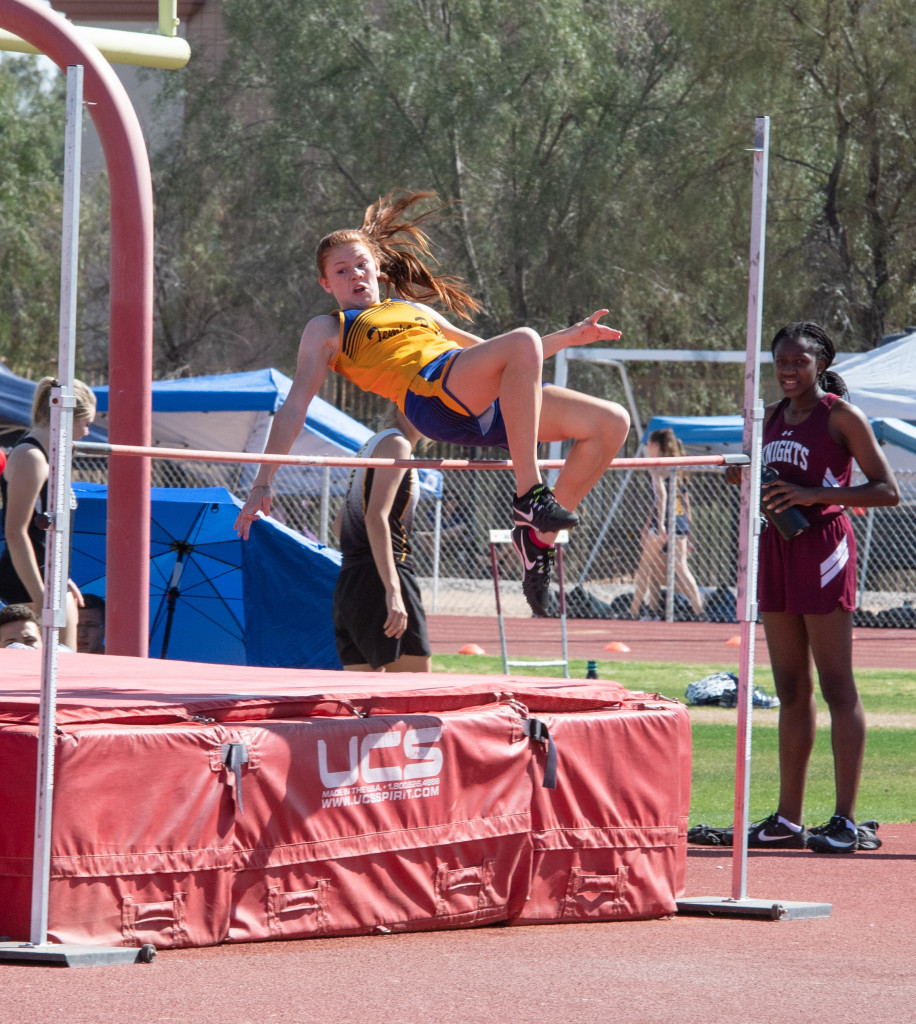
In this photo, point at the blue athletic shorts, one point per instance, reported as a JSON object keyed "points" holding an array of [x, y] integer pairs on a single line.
{"points": [[436, 420]]}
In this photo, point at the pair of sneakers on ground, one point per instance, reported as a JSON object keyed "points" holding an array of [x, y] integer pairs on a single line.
{"points": [[537, 510], [839, 835]]}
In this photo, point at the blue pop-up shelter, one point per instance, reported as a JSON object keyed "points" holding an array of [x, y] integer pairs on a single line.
{"points": [[213, 597]]}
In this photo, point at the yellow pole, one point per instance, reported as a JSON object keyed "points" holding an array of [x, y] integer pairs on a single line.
{"points": [[168, 17], [145, 49]]}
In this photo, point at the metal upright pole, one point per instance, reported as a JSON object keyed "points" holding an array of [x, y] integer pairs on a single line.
{"points": [[749, 523], [57, 552], [670, 544], [56, 576], [749, 530]]}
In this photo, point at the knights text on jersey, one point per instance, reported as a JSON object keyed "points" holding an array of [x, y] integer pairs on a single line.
{"points": [[806, 454]]}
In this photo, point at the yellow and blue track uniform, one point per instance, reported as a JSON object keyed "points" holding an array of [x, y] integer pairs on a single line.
{"points": [[396, 350]]}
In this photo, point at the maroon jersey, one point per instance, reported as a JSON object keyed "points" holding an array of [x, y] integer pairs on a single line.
{"points": [[806, 454], [814, 572]]}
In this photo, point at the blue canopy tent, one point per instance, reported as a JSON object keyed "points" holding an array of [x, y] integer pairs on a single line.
{"points": [[701, 435], [233, 412], [722, 434], [16, 394], [15, 403], [215, 598]]}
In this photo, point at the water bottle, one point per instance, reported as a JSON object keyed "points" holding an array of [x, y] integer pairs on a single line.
{"points": [[790, 521], [591, 671]]}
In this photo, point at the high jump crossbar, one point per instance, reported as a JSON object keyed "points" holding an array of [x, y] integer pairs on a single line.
{"points": [[195, 455]]}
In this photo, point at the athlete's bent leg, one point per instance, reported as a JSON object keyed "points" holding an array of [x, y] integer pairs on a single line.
{"points": [[508, 367], [596, 427]]}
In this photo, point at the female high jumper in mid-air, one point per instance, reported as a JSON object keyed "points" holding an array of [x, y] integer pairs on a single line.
{"points": [[452, 385]]}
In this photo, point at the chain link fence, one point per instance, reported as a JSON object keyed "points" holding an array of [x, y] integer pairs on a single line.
{"points": [[603, 556]]}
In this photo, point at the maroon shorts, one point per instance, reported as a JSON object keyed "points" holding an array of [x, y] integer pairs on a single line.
{"points": [[812, 574]]}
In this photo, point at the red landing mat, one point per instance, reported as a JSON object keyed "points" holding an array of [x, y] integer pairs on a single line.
{"points": [[196, 804]]}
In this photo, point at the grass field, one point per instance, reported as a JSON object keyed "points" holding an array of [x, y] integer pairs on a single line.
{"points": [[888, 790]]}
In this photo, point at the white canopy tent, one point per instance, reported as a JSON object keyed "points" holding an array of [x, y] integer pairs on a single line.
{"points": [[882, 382]]}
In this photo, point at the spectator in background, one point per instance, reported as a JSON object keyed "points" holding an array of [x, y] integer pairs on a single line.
{"points": [[806, 585], [20, 627], [25, 515], [379, 621], [90, 633], [652, 571]]}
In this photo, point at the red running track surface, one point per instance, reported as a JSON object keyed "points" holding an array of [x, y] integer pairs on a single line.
{"points": [[855, 965], [686, 642]]}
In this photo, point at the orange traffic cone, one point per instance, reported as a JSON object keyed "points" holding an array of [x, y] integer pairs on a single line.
{"points": [[617, 645], [734, 641], [472, 649]]}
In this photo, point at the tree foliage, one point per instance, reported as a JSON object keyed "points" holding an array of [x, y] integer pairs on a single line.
{"points": [[596, 152], [31, 158]]}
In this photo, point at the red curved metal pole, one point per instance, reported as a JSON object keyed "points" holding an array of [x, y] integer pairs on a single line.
{"points": [[131, 314]]}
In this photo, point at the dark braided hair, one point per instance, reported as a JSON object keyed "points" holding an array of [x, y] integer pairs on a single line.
{"points": [[400, 247], [807, 330]]}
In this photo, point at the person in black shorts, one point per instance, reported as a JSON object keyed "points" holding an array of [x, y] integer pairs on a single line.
{"points": [[806, 586], [379, 621], [651, 572]]}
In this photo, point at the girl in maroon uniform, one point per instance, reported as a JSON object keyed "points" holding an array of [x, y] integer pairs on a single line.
{"points": [[807, 585]]}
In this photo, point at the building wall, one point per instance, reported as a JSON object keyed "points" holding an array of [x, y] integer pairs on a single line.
{"points": [[200, 22]]}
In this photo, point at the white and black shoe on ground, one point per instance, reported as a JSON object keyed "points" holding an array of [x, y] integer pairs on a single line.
{"points": [[835, 837], [539, 509], [774, 834]]}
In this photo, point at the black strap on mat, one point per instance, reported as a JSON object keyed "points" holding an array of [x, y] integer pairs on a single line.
{"points": [[234, 756], [536, 730]]}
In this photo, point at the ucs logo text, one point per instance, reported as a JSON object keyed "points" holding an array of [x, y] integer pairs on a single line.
{"points": [[420, 758]]}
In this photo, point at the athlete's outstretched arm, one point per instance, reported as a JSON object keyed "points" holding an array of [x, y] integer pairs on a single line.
{"points": [[317, 349], [585, 332]]}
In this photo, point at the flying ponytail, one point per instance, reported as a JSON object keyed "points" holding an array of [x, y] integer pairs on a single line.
{"points": [[400, 246]]}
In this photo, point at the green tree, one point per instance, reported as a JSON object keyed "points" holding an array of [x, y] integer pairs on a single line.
{"points": [[31, 156], [850, 131], [539, 122], [597, 153], [835, 77]]}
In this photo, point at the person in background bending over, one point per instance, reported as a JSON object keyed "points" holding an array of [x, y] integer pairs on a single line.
{"points": [[379, 622], [806, 586], [451, 385]]}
